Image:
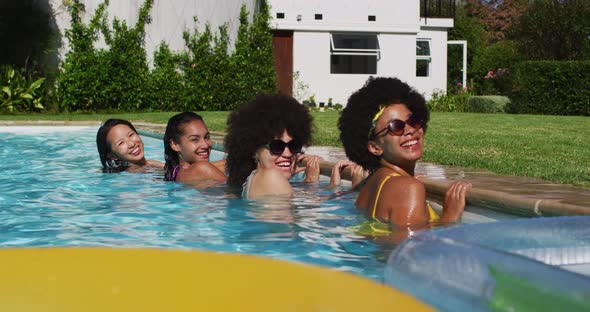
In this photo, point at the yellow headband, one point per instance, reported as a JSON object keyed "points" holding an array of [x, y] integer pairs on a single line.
{"points": [[376, 118]]}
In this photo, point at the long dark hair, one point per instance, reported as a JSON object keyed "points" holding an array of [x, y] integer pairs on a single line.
{"points": [[258, 122], [104, 148], [173, 133]]}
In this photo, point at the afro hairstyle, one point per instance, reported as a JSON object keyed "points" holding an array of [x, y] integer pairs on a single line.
{"points": [[356, 120], [256, 124]]}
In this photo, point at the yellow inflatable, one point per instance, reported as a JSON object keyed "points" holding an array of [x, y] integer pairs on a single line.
{"points": [[101, 279]]}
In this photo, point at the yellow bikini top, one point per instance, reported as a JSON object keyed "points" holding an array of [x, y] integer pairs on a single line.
{"points": [[375, 227]]}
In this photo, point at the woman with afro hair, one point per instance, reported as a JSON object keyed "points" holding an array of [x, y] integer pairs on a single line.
{"points": [[382, 129], [264, 142]]}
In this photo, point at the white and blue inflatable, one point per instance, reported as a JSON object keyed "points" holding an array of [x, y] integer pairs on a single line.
{"points": [[514, 265]]}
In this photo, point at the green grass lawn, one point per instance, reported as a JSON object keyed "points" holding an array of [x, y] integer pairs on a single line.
{"points": [[555, 148]]}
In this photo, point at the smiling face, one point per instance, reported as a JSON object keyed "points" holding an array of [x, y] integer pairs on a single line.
{"points": [[125, 145], [194, 144], [401, 150], [285, 162]]}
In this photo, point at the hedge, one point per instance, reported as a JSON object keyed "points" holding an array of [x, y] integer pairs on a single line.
{"points": [[551, 88]]}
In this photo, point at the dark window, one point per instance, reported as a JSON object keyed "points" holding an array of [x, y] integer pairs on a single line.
{"points": [[354, 53], [423, 58], [372, 18], [280, 15], [319, 16]]}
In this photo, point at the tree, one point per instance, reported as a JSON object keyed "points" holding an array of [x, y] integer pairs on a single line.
{"points": [[28, 36], [497, 16], [555, 30]]}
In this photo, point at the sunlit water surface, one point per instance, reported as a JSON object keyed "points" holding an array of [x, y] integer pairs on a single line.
{"points": [[54, 194]]}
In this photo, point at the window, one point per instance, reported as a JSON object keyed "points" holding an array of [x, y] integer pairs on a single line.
{"points": [[423, 58], [354, 53]]}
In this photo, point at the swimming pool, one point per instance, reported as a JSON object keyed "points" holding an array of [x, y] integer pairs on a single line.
{"points": [[55, 195]]}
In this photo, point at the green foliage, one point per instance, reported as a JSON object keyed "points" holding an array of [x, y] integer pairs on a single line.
{"points": [[492, 68], [26, 33], [205, 77], [487, 104], [554, 30], [167, 91], [552, 87], [452, 101], [19, 93], [105, 79]]}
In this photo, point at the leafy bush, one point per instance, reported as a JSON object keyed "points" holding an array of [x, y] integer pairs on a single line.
{"points": [[105, 79], [449, 102], [18, 92], [552, 88], [167, 91], [205, 77], [488, 104]]}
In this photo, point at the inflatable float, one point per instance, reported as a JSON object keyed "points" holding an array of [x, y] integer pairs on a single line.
{"points": [[101, 279], [514, 265]]}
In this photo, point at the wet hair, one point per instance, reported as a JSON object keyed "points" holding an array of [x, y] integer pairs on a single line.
{"points": [[356, 120], [174, 130], [104, 148], [255, 125]]}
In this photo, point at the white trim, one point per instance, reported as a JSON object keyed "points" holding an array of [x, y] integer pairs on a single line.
{"points": [[464, 70]]}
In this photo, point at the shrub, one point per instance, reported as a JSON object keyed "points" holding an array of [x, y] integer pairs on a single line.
{"points": [[205, 77], [552, 88], [487, 104], [449, 102], [167, 90], [19, 93]]}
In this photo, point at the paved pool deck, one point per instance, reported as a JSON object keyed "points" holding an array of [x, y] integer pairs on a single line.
{"points": [[508, 194]]}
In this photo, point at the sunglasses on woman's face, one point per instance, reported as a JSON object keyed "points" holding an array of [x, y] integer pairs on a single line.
{"points": [[396, 127], [277, 147]]}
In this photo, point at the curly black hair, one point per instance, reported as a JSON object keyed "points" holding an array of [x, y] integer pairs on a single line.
{"points": [[256, 124], [356, 120]]}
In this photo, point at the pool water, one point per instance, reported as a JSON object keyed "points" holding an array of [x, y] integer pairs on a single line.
{"points": [[54, 194]]}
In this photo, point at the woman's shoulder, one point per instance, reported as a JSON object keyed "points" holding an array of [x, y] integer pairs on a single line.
{"points": [[155, 164], [267, 182]]}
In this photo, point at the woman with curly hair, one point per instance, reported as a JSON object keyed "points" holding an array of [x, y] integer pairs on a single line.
{"points": [[264, 141], [187, 147], [120, 148], [382, 129]]}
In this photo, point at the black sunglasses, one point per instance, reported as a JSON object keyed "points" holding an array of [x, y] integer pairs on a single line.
{"points": [[276, 147], [397, 127]]}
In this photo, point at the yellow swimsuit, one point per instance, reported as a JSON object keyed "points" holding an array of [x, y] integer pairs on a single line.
{"points": [[431, 212], [377, 228]]}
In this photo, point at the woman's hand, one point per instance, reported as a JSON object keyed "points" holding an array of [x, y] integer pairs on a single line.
{"points": [[454, 203], [336, 177], [357, 175], [312, 167]]}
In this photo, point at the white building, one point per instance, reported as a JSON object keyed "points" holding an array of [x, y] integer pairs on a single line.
{"points": [[333, 46], [323, 48], [169, 18]]}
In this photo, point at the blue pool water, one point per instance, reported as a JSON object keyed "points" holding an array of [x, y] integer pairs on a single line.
{"points": [[54, 194]]}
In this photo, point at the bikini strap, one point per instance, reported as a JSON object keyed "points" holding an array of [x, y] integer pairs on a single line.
{"points": [[395, 174]]}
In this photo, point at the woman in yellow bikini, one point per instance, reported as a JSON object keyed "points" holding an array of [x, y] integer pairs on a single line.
{"points": [[382, 129]]}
